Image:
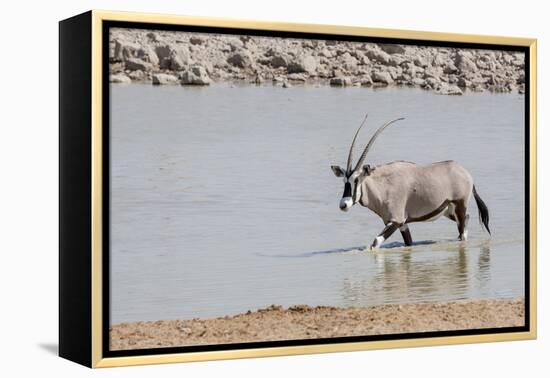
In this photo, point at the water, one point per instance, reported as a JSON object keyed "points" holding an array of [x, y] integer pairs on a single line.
{"points": [[223, 199]]}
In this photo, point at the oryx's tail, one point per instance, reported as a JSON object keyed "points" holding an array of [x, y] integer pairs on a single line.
{"points": [[483, 211]]}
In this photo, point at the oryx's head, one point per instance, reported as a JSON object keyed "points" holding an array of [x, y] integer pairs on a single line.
{"points": [[353, 177]]}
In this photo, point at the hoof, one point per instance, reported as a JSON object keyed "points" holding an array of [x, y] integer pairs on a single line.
{"points": [[377, 243]]}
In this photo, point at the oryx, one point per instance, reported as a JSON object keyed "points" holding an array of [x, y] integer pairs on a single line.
{"points": [[403, 192]]}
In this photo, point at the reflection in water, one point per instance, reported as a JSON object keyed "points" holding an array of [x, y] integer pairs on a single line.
{"points": [[410, 275], [483, 273]]}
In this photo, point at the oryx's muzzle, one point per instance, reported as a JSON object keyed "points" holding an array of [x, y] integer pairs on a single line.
{"points": [[346, 203], [347, 200]]}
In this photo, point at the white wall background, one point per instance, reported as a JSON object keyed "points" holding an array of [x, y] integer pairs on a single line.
{"points": [[28, 162]]}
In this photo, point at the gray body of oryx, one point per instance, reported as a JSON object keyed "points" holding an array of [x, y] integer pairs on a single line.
{"points": [[403, 192]]}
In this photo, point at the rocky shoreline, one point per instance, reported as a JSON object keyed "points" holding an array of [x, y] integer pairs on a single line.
{"points": [[306, 322], [167, 57]]}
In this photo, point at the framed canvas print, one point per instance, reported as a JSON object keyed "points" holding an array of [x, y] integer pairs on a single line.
{"points": [[235, 189]]}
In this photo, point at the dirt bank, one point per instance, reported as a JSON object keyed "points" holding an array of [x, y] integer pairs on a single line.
{"points": [[304, 322]]}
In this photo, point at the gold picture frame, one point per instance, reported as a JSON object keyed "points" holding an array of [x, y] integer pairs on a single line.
{"points": [[89, 267]]}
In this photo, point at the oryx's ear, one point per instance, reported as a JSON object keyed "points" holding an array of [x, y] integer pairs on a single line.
{"points": [[339, 172], [367, 169]]}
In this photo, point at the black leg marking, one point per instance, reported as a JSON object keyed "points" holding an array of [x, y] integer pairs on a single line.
{"points": [[385, 234], [406, 234], [389, 230], [462, 219]]}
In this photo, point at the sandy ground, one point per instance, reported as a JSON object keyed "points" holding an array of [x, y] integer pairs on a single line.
{"points": [[304, 322]]}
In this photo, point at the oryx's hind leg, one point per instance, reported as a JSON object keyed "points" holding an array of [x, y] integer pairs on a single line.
{"points": [[406, 234], [461, 219], [390, 228], [457, 213]]}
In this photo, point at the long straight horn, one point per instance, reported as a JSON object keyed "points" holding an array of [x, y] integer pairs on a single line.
{"points": [[371, 142], [350, 156]]}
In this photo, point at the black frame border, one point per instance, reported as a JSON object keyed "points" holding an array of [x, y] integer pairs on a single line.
{"points": [[106, 25]]}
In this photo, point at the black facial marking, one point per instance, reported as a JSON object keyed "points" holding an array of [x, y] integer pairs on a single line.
{"points": [[347, 190]]}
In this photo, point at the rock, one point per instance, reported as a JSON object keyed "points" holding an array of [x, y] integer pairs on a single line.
{"points": [[164, 79], [264, 61], [165, 64], [179, 58], [137, 75], [478, 88], [520, 63], [464, 62], [418, 81], [235, 43], [340, 82], [308, 44], [451, 90], [337, 73], [463, 82], [392, 48], [163, 51], [119, 79], [115, 67], [394, 72], [378, 55], [240, 59], [507, 58], [138, 55], [440, 59], [272, 52], [195, 40], [365, 60], [286, 84], [396, 60], [521, 78], [148, 54], [366, 81], [326, 53], [434, 72], [501, 88], [297, 77], [411, 69], [303, 63], [403, 78], [349, 62], [420, 61], [134, 64], [382, 77], [449, 68], [124, 49], [195, 75], [153, 37], [479, 80], [433, 82], [245, 38], [278, 61]]}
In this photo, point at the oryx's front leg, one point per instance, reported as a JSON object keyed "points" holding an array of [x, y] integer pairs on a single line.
{"points": [[390, 228]]}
